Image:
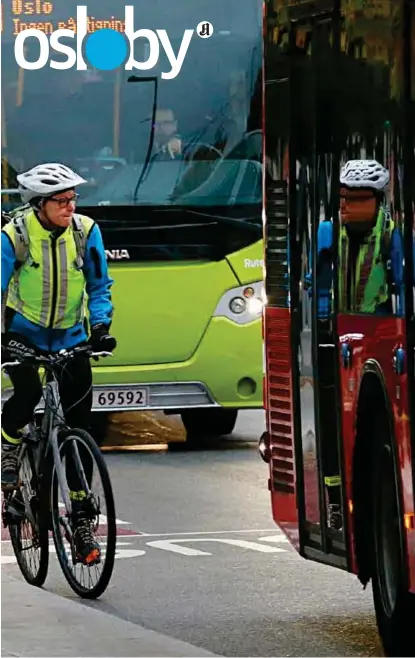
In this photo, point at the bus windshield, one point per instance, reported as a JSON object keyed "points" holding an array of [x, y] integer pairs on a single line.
{"points": [[137, 138]]}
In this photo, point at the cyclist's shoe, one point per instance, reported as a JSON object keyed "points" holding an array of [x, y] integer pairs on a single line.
{"points": [[87, 549], [9, 471]]}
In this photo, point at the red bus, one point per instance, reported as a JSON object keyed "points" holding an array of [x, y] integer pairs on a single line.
{"points": [[339, 324]]}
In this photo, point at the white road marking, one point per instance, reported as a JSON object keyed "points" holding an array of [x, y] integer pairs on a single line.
{"points": [[128, 553], [173, 546], [275, 539], [124, 553], [8, 559], [170, 545], [205, 532]]}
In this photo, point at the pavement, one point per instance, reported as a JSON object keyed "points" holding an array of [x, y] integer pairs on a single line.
{"points": [[35, 622]]}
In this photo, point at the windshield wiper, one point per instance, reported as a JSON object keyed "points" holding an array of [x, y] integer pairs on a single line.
{"points": [[154, 79], [252, 222]]}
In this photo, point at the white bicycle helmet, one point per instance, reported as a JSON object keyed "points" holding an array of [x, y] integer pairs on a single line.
{"points": [[364, 173], [45, 180]]}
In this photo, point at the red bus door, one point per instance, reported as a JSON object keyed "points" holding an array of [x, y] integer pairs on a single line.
{"points": [[305, 319]]}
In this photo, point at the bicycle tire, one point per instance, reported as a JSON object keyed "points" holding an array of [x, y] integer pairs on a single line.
{"points": [[65, 437], [38, 577]]}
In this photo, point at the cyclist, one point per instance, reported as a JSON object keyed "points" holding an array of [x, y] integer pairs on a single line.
{"points": [[43, 298]]}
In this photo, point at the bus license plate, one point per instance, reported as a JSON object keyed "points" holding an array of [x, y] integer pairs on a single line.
{"points": [[121, 398]]}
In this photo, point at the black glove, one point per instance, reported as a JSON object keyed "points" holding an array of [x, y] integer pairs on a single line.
{"points": [[15, 347], [101, 340]]}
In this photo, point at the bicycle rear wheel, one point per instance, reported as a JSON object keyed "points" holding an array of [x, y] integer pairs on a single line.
{"points": [[27, 522], [88, 581]]}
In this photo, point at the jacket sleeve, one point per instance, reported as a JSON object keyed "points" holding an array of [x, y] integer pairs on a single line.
{"points": [[8, 260], [324, 244], [98, 281], [397, 257]]}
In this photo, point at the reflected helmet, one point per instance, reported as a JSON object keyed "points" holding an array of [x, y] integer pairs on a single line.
{"points": [[364, 173], [45, 180]]}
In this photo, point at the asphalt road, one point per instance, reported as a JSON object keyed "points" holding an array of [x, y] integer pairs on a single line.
{"points": [[210, 566]]}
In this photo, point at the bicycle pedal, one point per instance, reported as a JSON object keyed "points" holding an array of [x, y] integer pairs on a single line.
{"points": [[12, 515]]}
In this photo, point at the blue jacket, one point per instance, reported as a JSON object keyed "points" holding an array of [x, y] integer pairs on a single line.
{"points": [[325, 274], [97, 284]]}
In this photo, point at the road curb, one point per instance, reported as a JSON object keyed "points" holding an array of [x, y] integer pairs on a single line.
{"points": [[36, 622]]}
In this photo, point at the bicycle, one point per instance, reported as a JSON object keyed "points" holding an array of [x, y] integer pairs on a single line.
{"points": [[34, 505]]}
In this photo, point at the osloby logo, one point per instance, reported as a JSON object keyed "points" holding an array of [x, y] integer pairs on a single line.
{"points": [[106, 49]]}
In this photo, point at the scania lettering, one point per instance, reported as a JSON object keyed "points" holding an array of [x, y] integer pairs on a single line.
{"points": [[174, 171], [117, 254]]}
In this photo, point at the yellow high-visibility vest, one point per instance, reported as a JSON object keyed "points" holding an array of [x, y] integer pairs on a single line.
{"points": [[48, 288]]}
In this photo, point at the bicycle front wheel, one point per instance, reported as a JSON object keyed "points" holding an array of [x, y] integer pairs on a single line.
{"points": [[87, 463]]}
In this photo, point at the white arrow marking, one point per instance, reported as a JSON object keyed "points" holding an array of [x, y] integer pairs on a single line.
{"points": [[275, 539], [128, 553], [251, 545], [173, 545]]}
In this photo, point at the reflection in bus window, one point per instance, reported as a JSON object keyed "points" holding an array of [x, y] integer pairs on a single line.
{"points": [[207, 111], [370, 246], [371, 110]]}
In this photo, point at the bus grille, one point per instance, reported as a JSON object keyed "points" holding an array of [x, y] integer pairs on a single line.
{"points": [[276, 245], [280, 403]]}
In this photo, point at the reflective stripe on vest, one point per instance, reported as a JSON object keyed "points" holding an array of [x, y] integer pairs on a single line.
{"points": [[49, 288], [369, 286]]}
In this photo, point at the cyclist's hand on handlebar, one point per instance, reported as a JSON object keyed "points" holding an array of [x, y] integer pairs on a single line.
{"points": [[15, 348], [101, 340]]}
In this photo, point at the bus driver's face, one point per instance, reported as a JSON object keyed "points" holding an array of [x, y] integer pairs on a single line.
{"points": [[165, 125]]}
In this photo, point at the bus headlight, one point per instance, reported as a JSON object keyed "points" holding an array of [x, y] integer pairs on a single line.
{"points": [[242, 304], [255, 306], [237, 305]]}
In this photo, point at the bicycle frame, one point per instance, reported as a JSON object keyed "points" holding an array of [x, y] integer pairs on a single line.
{"points": [[50, 430], [51, 424]]}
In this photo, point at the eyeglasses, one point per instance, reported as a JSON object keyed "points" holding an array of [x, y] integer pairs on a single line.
{"points": [[63, 202]]}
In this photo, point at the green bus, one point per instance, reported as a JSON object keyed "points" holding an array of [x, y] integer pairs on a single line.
{"points": [[174, 175]]}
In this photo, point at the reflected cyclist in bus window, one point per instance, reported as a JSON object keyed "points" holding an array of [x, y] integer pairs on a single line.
{"points": [[369, 271], [370, 256]]}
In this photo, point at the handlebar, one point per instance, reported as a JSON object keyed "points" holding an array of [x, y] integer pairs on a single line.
{"points": [[55, 359]]}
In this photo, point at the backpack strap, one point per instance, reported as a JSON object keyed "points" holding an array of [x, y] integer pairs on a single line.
{"points": [[80, 237], [17, 218], [22, 238]]}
